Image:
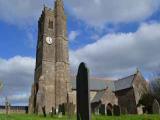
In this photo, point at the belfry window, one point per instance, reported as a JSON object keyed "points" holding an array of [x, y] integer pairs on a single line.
{"points": [[50, 25]]}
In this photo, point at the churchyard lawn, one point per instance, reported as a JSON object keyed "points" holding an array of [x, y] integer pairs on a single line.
{"points": [[34, 117]]}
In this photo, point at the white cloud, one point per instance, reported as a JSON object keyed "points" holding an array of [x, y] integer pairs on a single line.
{"points": [[119, 53], [73, 35], [16, 11], [110, 56], [17, 76], [21, 12], [18, 97], [113, 54], [93, 12], [99, 12]]}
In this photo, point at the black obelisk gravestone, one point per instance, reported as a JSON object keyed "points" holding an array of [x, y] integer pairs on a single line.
{"points": [[83, 98]]}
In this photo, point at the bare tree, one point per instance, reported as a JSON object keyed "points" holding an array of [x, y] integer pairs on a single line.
{"points": [[155, 86], [1, 85], [154, 93]]}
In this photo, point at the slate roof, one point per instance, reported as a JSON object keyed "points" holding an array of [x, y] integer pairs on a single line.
{"points": [[120, 84], [123, 83], [98, 96], [117, 85], [111, 85], [95, 83]]}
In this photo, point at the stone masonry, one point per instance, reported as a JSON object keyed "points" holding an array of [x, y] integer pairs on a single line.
{"points": [[51, 79]]}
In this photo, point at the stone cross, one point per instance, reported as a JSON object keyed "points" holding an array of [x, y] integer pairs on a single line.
{"points": [[7, 106], [156, 107], [83, 97]]}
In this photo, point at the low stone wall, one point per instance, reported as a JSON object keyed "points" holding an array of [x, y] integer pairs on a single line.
{"points": [[15, 109]]}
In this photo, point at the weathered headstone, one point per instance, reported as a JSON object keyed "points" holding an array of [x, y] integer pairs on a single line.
{"points": [[57, 111], [83, 97], [44, 111], [102, 109], [62, 109], [53, 111], [109, 109], [116, 110], [96, 111], [156, 107], [69, 109], [72, 108], [60, 114], [109, 112]]}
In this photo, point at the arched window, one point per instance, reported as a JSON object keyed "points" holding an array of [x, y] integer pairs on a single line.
{"points": [[50, 24]]}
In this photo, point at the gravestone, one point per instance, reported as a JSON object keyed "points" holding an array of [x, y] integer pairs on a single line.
{"points": [[109, 112], [69, 109], [72, 109], [44, 111], [156, 107], [102, 109], [109, 109], [60, 115], [53, 111], [116, 110], [83, 98], [62, 109]]}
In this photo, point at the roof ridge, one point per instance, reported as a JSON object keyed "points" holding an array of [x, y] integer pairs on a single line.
{"points": [[127, 76]]}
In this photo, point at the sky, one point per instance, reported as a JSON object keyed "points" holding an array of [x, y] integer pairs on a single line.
{"points": [[113, 37]]}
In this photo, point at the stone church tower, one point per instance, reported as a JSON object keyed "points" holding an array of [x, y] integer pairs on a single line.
{"points": [[51, 79]]}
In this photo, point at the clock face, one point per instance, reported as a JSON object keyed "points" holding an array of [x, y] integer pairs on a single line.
{"points": [[49, 40]]}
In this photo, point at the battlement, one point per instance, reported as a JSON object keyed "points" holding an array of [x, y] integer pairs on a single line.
{"points": [[48, 10]]}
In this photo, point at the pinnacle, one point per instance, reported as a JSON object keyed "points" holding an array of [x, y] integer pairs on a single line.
{"points": [[59, 3], [58, 0]]}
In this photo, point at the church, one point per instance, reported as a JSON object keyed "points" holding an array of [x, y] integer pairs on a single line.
{"points": [[53, 85], [125, 92]]}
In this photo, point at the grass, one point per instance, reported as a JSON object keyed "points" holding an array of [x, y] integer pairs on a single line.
{"points": [[34, 117]]}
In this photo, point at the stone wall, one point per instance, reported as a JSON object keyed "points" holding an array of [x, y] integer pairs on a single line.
{"points": [[109, 97], [52, 61], [140, 88], [92, 94], [15, 109], [126, 101]]}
